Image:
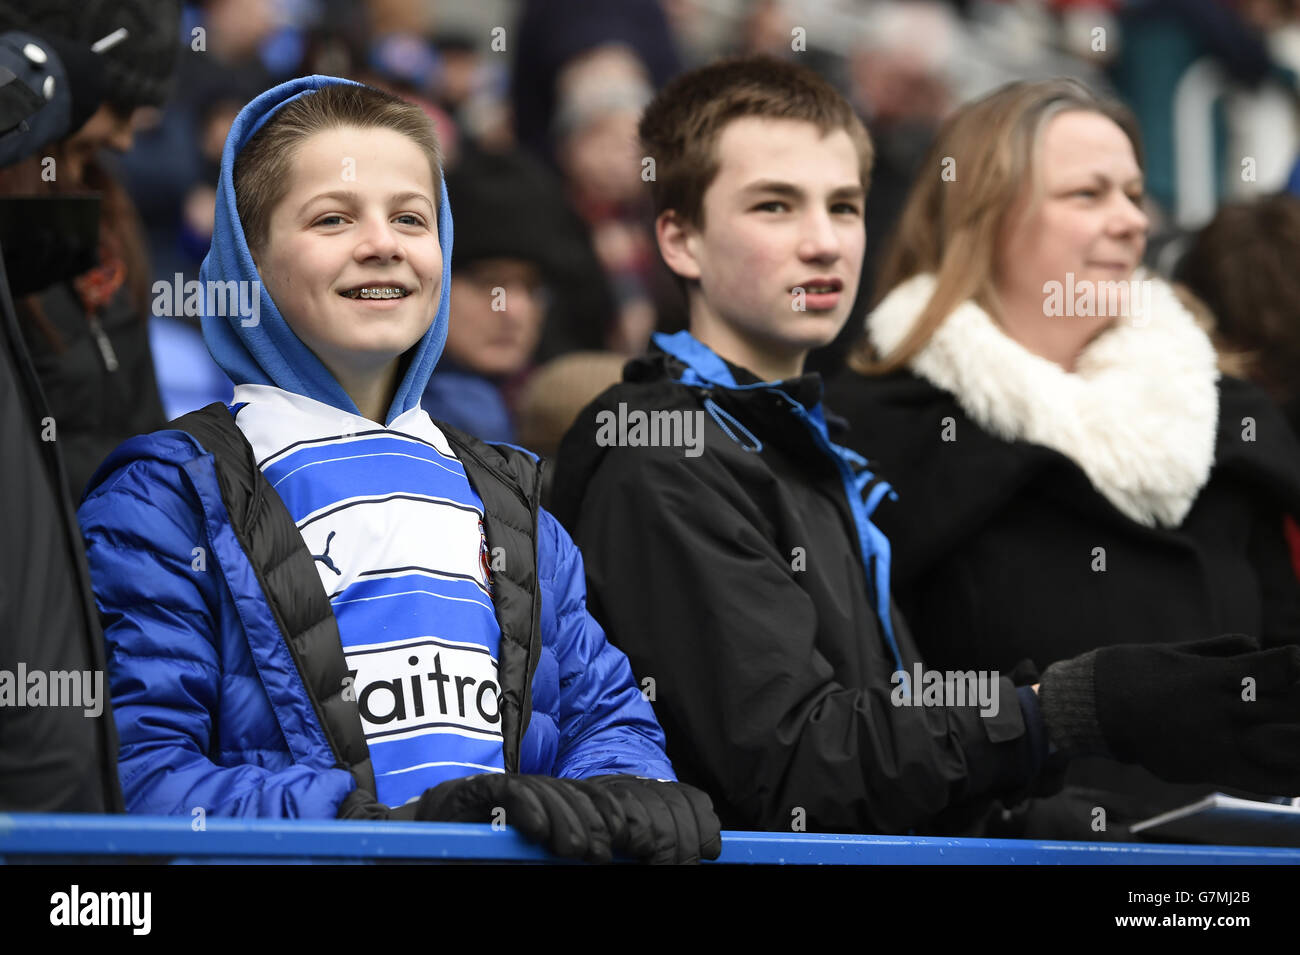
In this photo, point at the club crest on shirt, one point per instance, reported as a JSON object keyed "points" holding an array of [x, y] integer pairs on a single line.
{"points": [[484, 557]]}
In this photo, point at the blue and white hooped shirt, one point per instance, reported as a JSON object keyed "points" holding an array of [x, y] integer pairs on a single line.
{"points": [[397, 533]]}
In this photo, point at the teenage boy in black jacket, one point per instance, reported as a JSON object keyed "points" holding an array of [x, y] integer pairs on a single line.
{"points": [[728, 541]]}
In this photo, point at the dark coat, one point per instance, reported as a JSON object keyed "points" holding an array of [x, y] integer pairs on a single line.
{"points": [[735, 582], [997, 558], [98, 375], [52, 758]]}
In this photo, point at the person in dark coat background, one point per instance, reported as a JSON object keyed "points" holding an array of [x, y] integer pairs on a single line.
{"points": [[53, 758], [1242, 265], [550, 33], [582, 70], [518, 240], [88, 335], [1072, 472]]}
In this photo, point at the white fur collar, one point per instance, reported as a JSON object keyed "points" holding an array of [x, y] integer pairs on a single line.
{"points": [[1139, 415]]}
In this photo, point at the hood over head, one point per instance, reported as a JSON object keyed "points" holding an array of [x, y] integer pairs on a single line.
{"points": [[266, 351]]}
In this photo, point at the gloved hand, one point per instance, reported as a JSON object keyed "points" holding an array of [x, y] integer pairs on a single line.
{"points": [[657, 822], [558, 813], [664, 822], [1183, 711], [362, 804]]}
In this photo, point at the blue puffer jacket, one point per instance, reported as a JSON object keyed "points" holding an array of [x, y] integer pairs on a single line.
{"points": [[210, 706]]}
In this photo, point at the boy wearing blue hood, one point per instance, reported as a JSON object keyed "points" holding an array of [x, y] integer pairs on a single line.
{"points": [[317, 602]]}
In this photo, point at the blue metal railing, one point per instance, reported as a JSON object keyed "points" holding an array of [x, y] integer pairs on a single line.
{"points": [[27, 837]]}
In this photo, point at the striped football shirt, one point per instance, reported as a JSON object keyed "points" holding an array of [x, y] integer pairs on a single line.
{"points": [[396, 531]]}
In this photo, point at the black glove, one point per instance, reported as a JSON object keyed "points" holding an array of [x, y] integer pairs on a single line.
{"points": [[1179, 710], [650, 820], [558, 813], [663, 822], [362, 804]]}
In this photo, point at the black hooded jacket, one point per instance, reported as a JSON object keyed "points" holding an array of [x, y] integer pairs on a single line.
{"points": [[734, 581]]}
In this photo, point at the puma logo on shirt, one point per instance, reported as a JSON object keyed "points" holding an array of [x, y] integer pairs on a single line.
{"points": [[325, 557]]}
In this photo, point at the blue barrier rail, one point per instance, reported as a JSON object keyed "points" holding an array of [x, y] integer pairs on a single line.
{"points": [[50, 838]]}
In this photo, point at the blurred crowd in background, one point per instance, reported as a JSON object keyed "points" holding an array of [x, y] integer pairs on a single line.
{"points": [[536, 104]]}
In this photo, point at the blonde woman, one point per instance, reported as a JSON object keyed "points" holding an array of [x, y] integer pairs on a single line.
{"points": [[1072, 470]]}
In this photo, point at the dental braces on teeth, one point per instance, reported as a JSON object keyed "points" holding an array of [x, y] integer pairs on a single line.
{"points": [[388, 292]]}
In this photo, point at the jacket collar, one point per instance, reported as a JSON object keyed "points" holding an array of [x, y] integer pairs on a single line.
{"points": [[703, 367], [1139, 415]]}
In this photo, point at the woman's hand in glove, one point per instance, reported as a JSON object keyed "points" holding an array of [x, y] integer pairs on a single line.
{"points": [[1218, 711]]}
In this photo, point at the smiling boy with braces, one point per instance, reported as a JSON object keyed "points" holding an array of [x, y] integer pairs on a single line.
{"points": [[263, 627]]}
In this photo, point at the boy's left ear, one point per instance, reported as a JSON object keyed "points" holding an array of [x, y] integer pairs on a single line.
{"points": [[678, 243]]}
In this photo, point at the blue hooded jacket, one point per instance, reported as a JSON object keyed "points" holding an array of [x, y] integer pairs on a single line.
{"points": [[210, 707]]}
